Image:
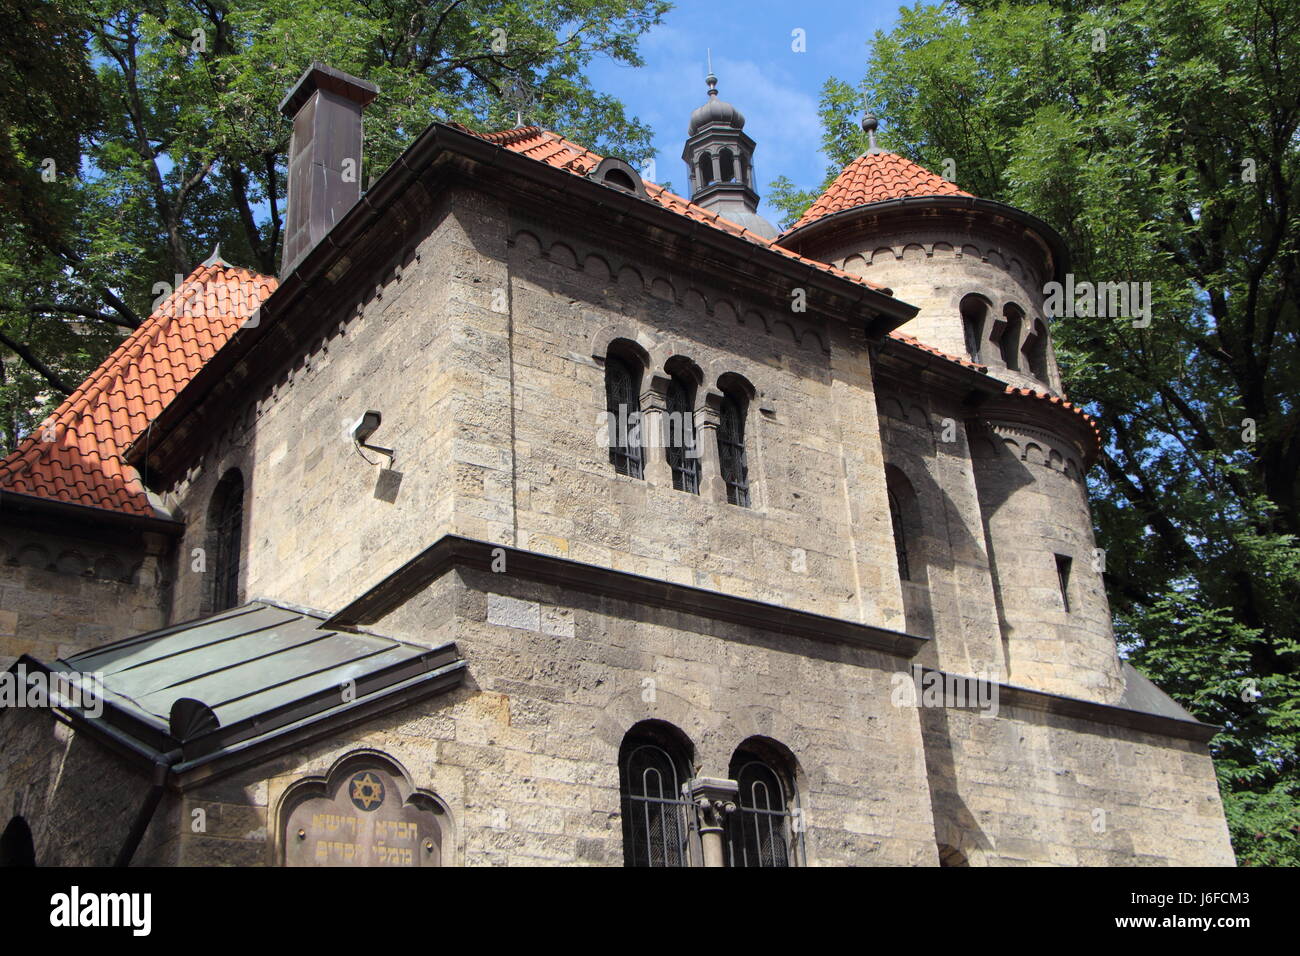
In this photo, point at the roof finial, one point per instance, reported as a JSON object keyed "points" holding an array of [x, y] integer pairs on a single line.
{"points": [[215, 259], [711, 79], [869, 124]]}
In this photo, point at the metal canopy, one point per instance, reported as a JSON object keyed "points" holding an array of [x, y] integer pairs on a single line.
{"points": [[255, 671]]}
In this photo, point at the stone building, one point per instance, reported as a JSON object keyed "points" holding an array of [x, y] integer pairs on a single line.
{"points": [[538, 515]]}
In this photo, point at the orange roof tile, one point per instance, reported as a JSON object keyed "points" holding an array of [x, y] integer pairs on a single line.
{"points": [[1063, 403], [91, 430], [876, 177], [554, 150]]}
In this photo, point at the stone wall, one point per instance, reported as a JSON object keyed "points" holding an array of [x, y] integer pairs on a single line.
{"points": [[484, 356], [1034, 503], [934, 268], [951, 591], [1030, 788], [64, 593], [525, 755]]}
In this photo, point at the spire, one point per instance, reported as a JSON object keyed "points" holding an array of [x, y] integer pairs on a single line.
{"points": [[869, 125], [720, 160]]}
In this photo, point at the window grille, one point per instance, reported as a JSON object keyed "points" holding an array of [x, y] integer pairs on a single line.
{"points": [[731, 452], [624, 404], [761, 826], [680, 441], [656, 817]]}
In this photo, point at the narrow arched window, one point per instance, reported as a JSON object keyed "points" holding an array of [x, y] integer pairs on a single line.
{"points": [[761, 830], [706, 169], [726, 167], [679, 439], [1010, 340], [731, 450], [623, 401], [652, 770], [226, 537], [974, 311], [900, 538]]}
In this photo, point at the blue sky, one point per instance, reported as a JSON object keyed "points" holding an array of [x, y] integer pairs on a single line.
{"points": [[776, 88]]}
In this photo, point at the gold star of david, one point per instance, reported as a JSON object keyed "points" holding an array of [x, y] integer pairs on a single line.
{"points": [[367, 791]]}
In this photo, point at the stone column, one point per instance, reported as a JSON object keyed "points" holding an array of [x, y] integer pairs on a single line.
{"points": [[708, 416], [654, 402], [716, 801]]}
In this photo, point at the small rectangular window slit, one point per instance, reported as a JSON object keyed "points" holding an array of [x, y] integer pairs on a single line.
{"points": [[1063, 578]]}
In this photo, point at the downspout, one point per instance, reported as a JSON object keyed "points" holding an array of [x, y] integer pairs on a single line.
{"points": [[162, 766]]}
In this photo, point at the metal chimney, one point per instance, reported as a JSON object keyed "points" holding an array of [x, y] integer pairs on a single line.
{"points": [[324, 155]]}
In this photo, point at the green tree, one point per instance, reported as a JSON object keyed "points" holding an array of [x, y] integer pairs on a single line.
{"points": [[162, 118], [1160, 138]]}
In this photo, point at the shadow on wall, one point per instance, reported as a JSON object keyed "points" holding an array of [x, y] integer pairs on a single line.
{"points": [[956, 830]]}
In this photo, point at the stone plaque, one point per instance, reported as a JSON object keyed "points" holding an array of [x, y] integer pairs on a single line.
{"points": [[365, 817]]}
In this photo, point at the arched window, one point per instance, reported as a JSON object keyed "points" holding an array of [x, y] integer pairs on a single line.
{"points": [[226, 537], [623, 401], [1035, 352], [653, 766], [761, 829], [731, 448], [683, 455], [974, 311], [16, 845], [706, 169], [1009, 342], [900, 536], [726, 166]]}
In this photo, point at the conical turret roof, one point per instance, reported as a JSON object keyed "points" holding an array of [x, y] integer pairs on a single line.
{"points": [[877, 177]]}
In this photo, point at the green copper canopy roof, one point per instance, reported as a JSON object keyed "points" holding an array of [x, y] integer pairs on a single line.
{"points": [[248, 674]]}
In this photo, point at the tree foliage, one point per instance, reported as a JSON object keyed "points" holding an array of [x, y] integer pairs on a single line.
{"points": [[1160, 138], [161, 120]]}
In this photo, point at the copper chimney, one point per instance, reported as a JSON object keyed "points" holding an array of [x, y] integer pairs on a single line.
{"points": [[324, 155]]}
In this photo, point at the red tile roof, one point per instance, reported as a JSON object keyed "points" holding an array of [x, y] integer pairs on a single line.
{"points": [[91, 430], [876, 177], [554, 150], [1063, 403]]}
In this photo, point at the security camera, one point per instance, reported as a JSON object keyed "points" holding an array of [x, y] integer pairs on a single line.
{"points": [[363, 428]]}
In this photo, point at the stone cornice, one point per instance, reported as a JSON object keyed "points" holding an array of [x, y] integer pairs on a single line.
{"points": [[452, 552]]}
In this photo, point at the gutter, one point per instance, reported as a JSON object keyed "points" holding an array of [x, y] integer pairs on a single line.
{"points": [[161, 770]]}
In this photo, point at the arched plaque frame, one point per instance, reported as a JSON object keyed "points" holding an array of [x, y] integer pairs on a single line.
{"points": [[364, 812]]}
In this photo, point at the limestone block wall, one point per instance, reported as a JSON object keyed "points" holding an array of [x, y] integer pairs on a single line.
{"points": [[1035, 508], [1029, 788], [817, 534], [934, 267], [320, 523], [60, 594], [525, 754], [951, 590], [479, 354]]}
